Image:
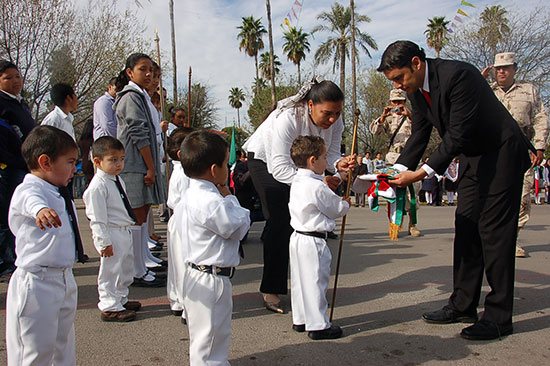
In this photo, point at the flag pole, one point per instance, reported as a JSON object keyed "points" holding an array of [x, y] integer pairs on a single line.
{"points": [[353, 148]]}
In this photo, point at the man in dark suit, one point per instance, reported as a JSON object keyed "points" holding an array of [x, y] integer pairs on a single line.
{"points": [[453, 97]]}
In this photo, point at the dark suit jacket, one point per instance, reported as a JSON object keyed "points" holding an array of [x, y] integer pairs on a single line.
{"points": [[471, 121]]}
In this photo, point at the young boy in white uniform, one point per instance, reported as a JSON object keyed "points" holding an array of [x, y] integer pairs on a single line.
{"points": [[211, 223], [313, 208], [111, 218], [179, 182], [42, 293]]}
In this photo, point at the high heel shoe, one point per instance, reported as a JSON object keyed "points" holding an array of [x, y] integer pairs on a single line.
{"points": [[274, 307]]}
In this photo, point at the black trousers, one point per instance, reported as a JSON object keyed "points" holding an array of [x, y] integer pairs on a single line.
{"points": [[276, 236], [489, 195]]}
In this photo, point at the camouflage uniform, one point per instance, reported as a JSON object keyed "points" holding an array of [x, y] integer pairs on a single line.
{"points": [[524, 104]]}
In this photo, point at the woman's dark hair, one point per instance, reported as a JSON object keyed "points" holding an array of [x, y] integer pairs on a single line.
{"points": [[87, 131], [174, 110], [123, 79], [400, 54], [4, 65], [325, 91]]}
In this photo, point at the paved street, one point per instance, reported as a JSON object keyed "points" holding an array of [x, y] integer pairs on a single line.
{"points": [[384, 287]]}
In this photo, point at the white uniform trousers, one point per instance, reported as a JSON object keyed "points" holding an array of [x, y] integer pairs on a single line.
{"points": [[176, 266], [525, 207], [208, 303], [116, 273], [40, 311], [309, 277], [140, 269]]}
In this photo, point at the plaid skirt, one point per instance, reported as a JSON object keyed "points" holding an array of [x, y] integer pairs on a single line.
{"points": [[139, 194]]}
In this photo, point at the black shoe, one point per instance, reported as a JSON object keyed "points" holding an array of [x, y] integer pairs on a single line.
{"points": [[158, 269], [332, 235], [156, 248], [299, 328], [140, 282], [183, 321], [330, 333], [485, 330], [176, 312], [447, 315]]}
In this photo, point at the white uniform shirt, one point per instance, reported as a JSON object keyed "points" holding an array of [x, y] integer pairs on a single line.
{"points": [[54, 247], [58, 118], [179, 182], [313, 205], [155, 114], [211, 225], [272, 141], [105, 208]]}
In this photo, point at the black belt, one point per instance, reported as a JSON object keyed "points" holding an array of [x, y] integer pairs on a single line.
{"points": [[317, 234], [250, 155], [219, 271]]}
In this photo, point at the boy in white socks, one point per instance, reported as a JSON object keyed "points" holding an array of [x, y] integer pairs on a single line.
{"points": [[111, 218], [42, 293], [211, 223], [313, 208]]}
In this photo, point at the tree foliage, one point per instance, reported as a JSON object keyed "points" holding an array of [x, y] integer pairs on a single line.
{"points": [[240, 136], [203, 106], [236, 99], [261, 103], [436, 33], [265, 67], [295, 47], [250, 38]]}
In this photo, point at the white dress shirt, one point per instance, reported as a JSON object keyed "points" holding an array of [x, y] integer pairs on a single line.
{"points": [[179, 182], [313, 205], [58, 118], [53, 247], [211, 225], [272, 141], [105, 208]]}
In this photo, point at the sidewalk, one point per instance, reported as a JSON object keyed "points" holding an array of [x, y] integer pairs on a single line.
{"points": [[384, 287]]}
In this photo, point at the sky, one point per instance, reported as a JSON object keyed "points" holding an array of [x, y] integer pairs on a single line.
{"points": [[206, 32]]}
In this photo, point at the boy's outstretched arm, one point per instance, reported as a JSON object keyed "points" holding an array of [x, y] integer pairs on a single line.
{"points": [[46, 218]]}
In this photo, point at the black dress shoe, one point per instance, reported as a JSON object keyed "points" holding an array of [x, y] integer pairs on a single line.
{"points": [[448, 315], [485, 330], [330, 333], [299, 328], [140, 282], [176, 312]]}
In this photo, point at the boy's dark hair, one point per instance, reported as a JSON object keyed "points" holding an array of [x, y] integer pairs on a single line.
{"points": [[60, 92], [175, 139], [5, 64], [400, 54], [131, 62], [200, 150], [104, 144], [325, 91], [304, 147], [46, 140], [112, 81]]}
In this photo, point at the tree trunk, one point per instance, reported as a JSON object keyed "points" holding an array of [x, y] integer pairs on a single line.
{"points": [[174, 63], [299, 78], [257, 78], [238, 118], [343, 74], [271, 56]]}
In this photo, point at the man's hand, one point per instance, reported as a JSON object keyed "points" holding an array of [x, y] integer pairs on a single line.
{"points": [[485, 72], [406, 178], [332, 182], [537, 159], [346, 163], [47, 217], [107, 252], [405, 112]]}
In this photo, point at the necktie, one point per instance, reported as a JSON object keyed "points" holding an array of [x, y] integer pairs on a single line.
{"points": [[64, 191], [427, 96], [125, 200]]}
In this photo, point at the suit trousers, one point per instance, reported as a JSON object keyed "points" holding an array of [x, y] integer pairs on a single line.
{"points": [[208, 303], [276, 235], [485, 231], [116, 273], [40, 311], [309, 277]]}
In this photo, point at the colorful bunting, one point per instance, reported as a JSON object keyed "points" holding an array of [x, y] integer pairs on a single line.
{"points": [[465, 3], [288, 20], [457, 18], [459, 11]]}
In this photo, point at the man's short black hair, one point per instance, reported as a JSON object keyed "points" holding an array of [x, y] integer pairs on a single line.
{"points": [[60, 92], [46, 140], [400, 54], [4, 65], [176, 138], [304, 147], [104, 144], [325, 91], [200, 150]]}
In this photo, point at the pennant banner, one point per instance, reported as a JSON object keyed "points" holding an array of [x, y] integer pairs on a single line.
{"points": [[465, 3], [293, 12], [459, 11]]}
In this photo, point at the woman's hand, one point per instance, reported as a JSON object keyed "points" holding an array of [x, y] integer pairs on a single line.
{"points": [[149, 178]]}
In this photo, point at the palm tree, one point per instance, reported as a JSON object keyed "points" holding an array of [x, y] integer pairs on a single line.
{"points": [[265, 68], [259, 84], [236, 99], [250, 38], [336, 47], [272, 72], [296, 45], [436, 33], [494, 26]]}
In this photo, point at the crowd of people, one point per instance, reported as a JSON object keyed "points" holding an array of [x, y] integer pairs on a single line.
{"points": [[493, 140]]}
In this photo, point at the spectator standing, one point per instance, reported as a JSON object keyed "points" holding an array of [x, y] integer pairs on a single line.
{"points": [[378, 162], [65, 101], [368, 162], [104, 115]]}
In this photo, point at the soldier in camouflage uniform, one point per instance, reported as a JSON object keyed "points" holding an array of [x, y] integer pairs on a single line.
{"points": [[524, 104], [395, 123]]}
